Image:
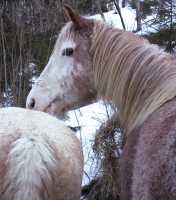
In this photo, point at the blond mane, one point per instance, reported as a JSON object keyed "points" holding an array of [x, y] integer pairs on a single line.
{"points": [[136, 76]]}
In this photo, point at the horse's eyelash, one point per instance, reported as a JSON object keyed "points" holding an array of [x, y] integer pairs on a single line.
{"points": [[67, 52]]}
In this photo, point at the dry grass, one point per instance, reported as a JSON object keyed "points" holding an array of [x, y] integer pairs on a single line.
{"points": [[107, 147]]}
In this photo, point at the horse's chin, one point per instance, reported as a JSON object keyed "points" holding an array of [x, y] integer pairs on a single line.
{"points": [[56, 111], [60, 110]]}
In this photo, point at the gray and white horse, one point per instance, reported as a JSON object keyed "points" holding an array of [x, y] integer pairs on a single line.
{"points": [[92, 60]]}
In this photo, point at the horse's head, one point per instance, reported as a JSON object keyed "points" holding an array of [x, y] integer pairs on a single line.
{"points": [[67, 81]]}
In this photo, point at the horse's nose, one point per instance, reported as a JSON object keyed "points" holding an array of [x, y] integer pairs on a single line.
{"points": [[31, 103]]}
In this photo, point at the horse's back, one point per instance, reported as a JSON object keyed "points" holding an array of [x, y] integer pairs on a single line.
{"points": [[40, 158], [148, 164]]}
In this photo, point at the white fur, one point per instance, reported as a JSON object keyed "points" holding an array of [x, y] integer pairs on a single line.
{"points": [[31, 160], [27, 156]]}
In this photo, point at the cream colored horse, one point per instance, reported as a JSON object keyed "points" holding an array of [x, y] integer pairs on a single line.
{"points": [[40, 158], [93, 60]]}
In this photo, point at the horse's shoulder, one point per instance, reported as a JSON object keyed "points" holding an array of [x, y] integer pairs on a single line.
{"points": [[149, 156]]}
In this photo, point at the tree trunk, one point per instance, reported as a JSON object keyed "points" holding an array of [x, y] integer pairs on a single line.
{"points": [[138, 15], [116, 3], [123, 3]]}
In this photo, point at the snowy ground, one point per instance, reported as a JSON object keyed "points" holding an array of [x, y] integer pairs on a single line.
{"points": [[89, 118], [128, 15]]}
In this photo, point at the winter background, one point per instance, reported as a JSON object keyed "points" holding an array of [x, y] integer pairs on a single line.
{"points": [[18, 64]]}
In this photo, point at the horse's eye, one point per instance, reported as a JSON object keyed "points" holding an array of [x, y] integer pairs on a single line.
{"points": [[67, 52]]}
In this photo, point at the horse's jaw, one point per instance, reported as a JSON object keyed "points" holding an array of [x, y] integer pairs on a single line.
{"points": [[57, 106]]}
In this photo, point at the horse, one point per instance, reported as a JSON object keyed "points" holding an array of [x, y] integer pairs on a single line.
{"points": [[40, 157], [93, 60]]}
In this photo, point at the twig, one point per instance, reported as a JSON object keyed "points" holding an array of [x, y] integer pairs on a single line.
{"points": [[120, 14]]}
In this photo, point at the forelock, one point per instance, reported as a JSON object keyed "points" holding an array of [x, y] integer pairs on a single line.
{"points": [[68, 31]]}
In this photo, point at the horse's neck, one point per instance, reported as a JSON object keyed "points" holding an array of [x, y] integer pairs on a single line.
{"points": [[131, 73]]}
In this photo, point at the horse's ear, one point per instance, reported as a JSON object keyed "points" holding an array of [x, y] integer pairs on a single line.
{"points": [[74, 16]]}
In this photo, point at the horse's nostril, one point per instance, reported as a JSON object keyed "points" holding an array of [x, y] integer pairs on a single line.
{"points": [[32, 103]]}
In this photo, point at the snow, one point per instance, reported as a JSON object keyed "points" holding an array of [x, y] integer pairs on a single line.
{"points": [[148, 29], [129, 17], [112, 18], [89, 118]]}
